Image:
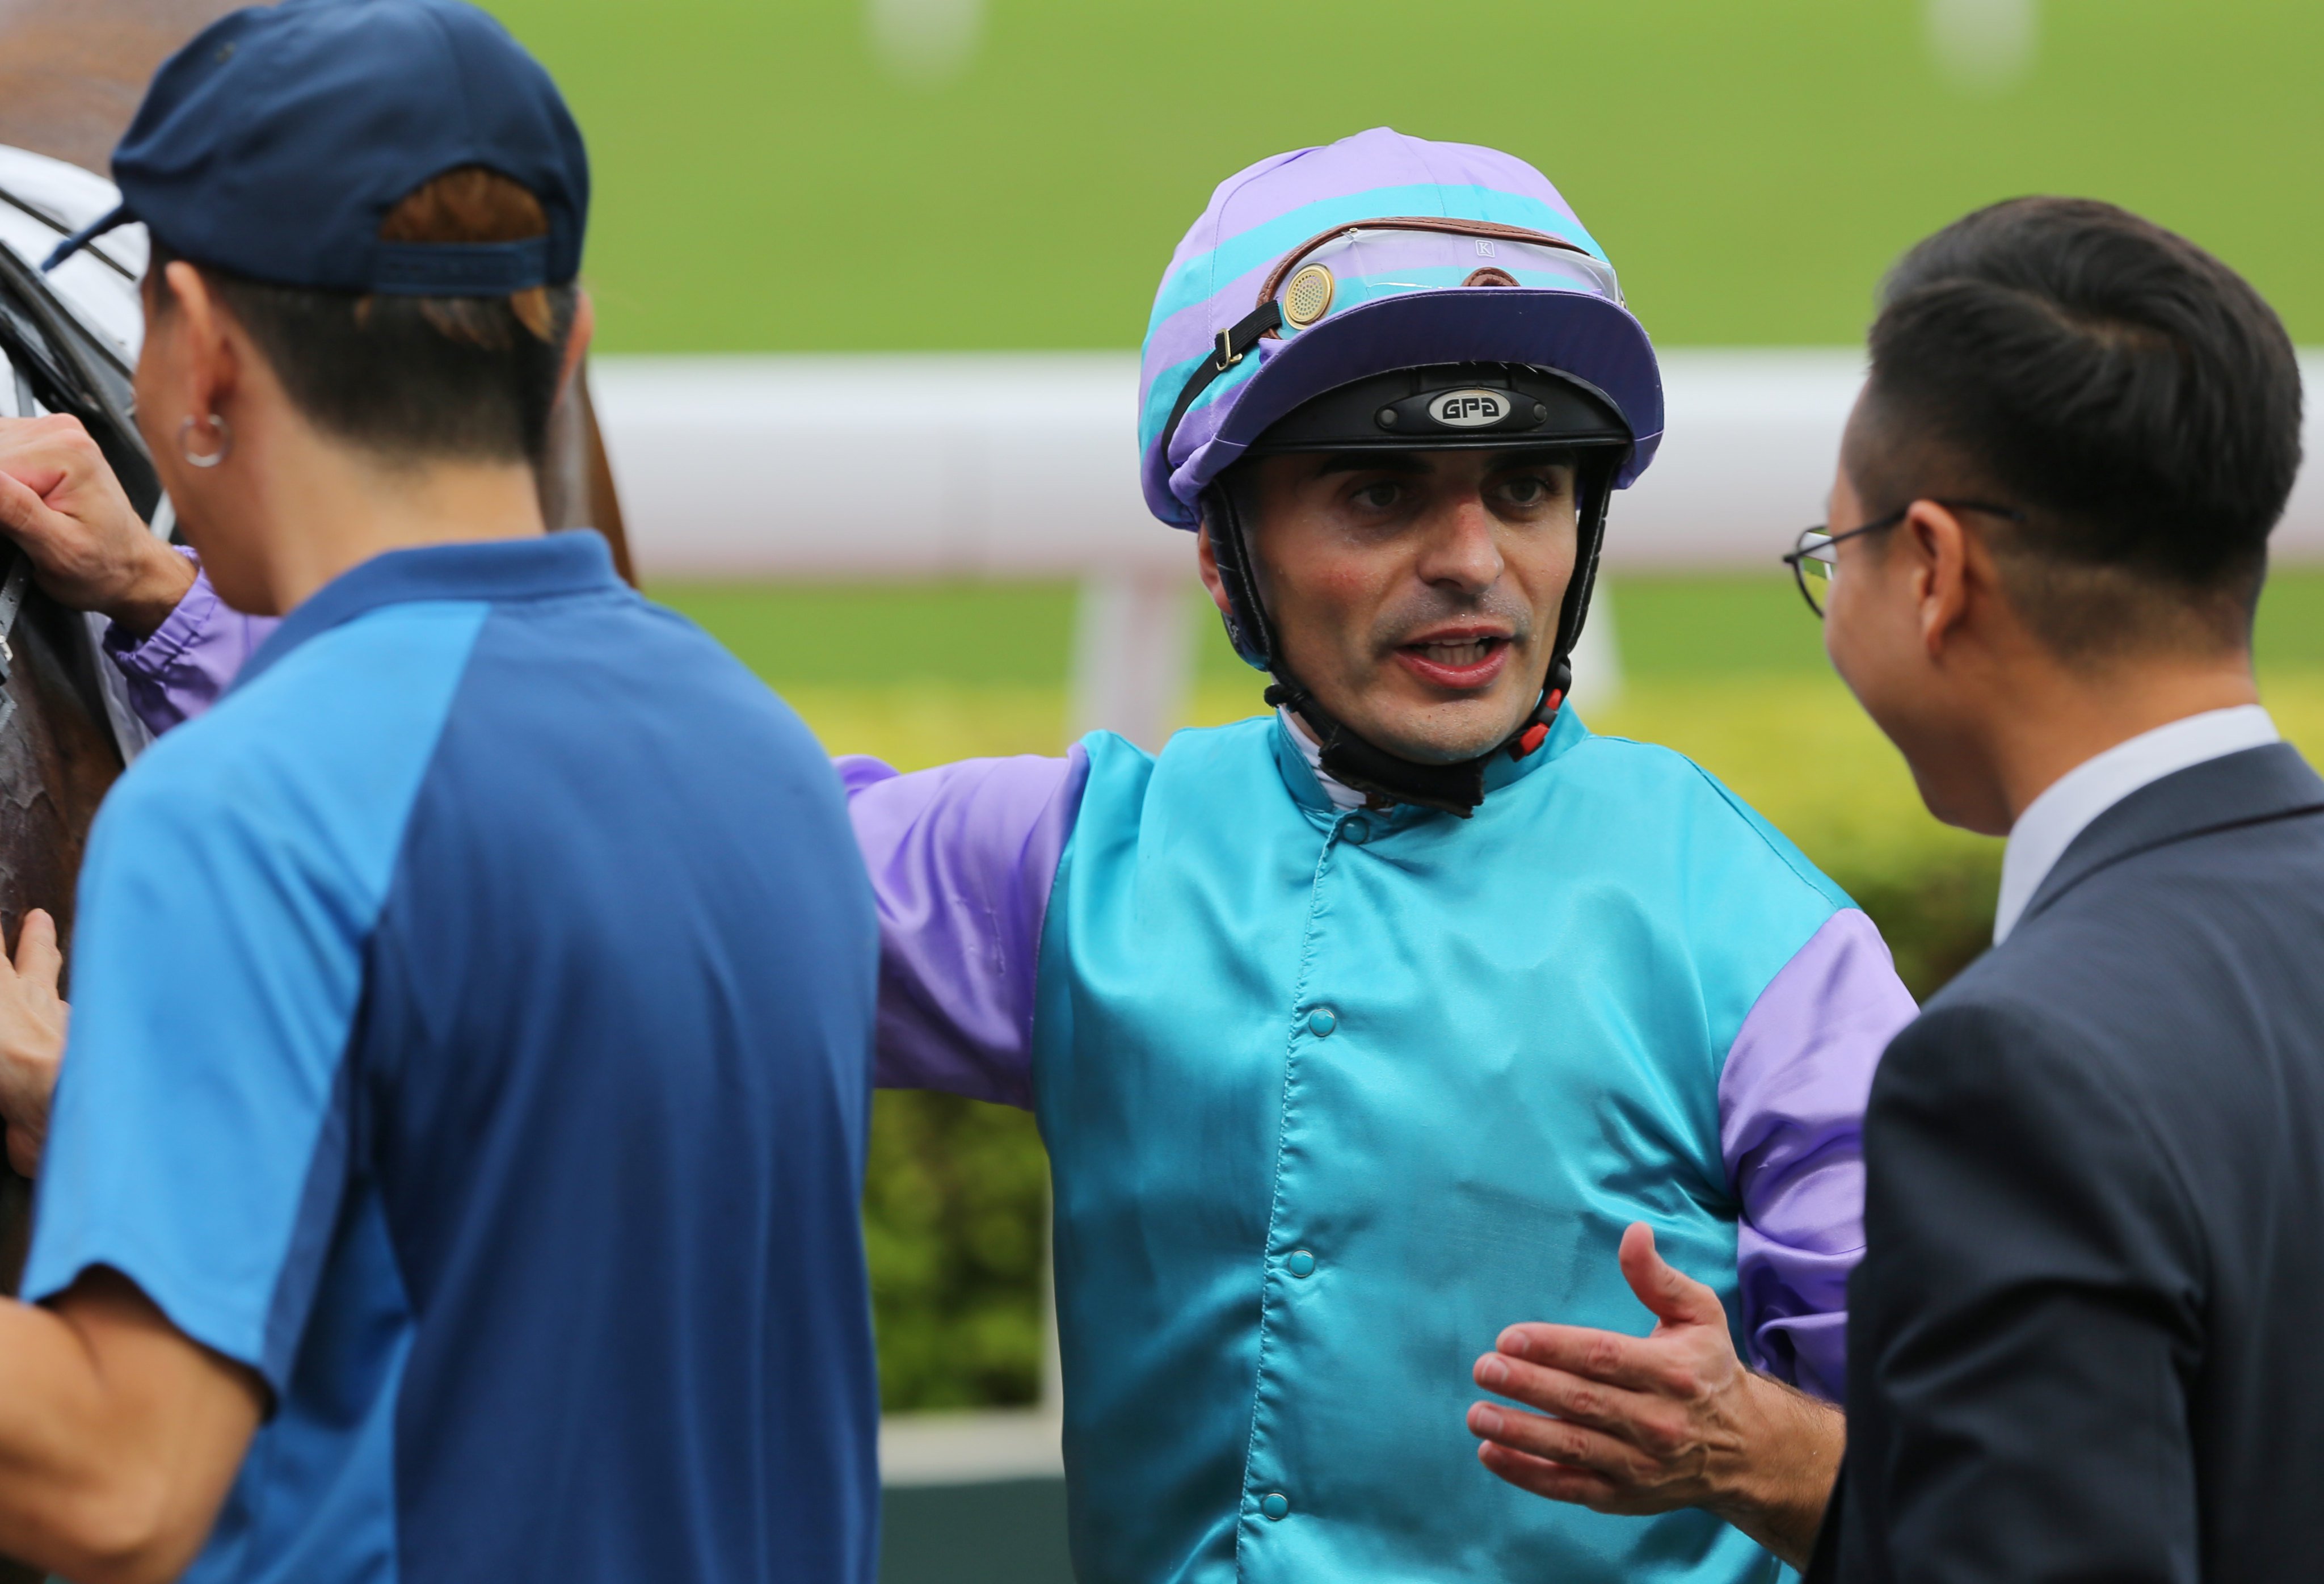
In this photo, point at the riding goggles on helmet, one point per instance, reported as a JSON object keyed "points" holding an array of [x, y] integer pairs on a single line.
{"points": [[1385, 258], [1348, 266]]}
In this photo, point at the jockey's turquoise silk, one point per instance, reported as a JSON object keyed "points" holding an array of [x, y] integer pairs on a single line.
{"points": [[1333, 1097]]}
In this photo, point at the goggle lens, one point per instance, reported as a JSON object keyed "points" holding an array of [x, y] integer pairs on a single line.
{"points": [[1364, 264]]}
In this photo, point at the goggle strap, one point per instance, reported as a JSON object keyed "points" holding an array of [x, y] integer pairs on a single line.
{"points": [[1441, 224], [1232, 345]]}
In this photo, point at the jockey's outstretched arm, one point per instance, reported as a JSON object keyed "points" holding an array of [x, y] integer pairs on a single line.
{"points": [[962, 859]]}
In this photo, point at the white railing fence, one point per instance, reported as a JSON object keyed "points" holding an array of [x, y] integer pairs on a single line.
{"points": [[1023, 465]]}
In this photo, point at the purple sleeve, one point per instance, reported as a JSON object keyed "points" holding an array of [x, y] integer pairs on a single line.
{"points": [[962, 859], [1791, 1126], [181, 667]]}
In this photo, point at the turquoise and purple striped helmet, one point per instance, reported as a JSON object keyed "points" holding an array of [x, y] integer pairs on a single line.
{"points": [[1378, 253]]}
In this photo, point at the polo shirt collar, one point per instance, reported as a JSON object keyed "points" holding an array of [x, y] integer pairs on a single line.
{"points": [[491, 571]]}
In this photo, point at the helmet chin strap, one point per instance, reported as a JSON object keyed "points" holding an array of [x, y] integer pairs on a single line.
{"points": [[1456, 788], [1353, 761]]}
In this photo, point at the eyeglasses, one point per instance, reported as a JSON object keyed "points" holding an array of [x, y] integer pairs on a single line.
{"points": [[1815, 561]]}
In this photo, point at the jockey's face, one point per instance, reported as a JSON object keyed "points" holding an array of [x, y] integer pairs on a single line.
{"points": [[1416, 593]]}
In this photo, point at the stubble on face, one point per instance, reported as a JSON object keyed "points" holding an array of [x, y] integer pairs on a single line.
{"points": [[1419, 596]]}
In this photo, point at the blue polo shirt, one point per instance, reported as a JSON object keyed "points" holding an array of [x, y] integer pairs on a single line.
{"points": [[472, 1031]]}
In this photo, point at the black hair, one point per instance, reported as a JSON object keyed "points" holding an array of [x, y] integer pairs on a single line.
{"points": [[414, 378], [2134, 397]]}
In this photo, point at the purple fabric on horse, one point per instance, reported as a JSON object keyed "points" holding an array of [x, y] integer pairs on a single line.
{"points": [[1260, 218]]}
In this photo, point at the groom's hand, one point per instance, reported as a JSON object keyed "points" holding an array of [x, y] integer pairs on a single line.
{"points": [[32, 1019], [1651, 1424]]}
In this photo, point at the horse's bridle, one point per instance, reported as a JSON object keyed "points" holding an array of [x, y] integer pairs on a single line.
{"points": [[68, 370], [59, 364], [56, 222]]}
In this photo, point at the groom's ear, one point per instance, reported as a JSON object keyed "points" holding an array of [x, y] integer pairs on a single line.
{"points": [[1952, 576]]}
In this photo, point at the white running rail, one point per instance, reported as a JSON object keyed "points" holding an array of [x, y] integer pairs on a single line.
{"points": [[1015, 465]]}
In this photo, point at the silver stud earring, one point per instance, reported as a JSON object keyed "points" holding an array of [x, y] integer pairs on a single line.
{"points": [[205, 458]]}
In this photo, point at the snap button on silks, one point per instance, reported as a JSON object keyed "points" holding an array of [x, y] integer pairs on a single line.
{"points": [[1322, 1022], [1300, 1264], [1358, 831], [1276, 1506]]}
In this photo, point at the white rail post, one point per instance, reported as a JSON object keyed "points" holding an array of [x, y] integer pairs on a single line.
{"points": [[1132, 653], [1984, 46], [1597, 653]]}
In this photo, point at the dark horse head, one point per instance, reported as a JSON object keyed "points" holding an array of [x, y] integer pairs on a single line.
{"points": [[59, 746]]}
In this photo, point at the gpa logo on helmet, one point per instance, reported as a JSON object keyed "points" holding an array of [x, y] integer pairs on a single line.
{"points": [[1469, 408]]}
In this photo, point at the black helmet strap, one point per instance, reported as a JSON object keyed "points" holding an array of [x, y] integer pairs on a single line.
{"points": [[1232, 343]]}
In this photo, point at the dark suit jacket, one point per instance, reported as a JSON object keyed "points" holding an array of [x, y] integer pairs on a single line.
{"points": [[2087, 1340]]}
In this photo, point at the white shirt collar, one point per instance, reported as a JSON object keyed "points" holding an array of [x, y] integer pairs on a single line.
{"points": [[2066, 806], [1343, 797]]}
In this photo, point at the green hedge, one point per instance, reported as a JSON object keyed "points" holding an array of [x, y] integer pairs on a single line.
{"points": [[1936, 917], [955, 1221]]}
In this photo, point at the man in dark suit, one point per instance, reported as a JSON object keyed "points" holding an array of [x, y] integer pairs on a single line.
{"points": [[2082, 1338]]}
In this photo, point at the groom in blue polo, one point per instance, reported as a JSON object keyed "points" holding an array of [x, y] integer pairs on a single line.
{"points": [[458, 1172]]}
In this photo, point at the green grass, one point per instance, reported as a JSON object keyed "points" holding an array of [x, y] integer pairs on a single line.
{"points": [[963, 635], [2292, 622], [1752, 168], [1020, 634], [1725, 625], [1715, 626]]}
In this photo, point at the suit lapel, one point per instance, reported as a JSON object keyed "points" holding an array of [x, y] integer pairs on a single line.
{"points": [[2247, 788]]}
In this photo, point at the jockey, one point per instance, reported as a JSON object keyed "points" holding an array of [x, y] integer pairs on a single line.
{"points": [[1362, 1030]]}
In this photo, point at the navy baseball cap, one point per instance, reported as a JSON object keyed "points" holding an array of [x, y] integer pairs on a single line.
{"points": [[275, 143]]}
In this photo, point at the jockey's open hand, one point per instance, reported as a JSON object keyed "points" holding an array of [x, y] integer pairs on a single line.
{"points": [[59, 500], [1651, 1424], [32, 1019]]}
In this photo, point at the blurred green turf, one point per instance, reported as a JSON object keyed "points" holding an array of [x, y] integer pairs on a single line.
{"points": [[1710, 626], [2292, 620], [842, 634], [762, 184], [978, 635]]}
